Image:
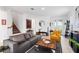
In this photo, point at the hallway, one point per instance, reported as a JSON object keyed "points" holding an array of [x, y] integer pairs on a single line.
{"points": [[65, 45]]}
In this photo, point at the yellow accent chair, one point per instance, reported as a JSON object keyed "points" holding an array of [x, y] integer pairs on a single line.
{"points": [[55, 36]]}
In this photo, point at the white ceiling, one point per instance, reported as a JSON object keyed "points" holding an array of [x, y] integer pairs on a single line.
{"points": [[43, 10]]}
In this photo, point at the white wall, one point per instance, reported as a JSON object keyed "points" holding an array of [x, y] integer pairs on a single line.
{"points": [[46, 20], [4, 31], [20, 21], [74, 20]]}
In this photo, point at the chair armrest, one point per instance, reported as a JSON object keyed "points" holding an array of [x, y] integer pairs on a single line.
{"points": [[11, 44]]}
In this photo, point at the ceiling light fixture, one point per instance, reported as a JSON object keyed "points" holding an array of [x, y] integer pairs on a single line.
{"points": [[42, 8], [32, 8]]}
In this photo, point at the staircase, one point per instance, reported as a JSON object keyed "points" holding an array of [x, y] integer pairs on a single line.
{"points": [[15, 29]]}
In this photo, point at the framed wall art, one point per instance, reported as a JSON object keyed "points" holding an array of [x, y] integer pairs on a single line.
{"points": [[3, 21]]}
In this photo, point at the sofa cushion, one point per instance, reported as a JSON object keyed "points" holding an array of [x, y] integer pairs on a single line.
{"points": [[31, 34], [27, 36], [18, 38]]}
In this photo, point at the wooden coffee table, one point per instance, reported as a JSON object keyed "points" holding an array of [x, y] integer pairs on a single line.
{"points": [[42, 42], [46, 45]]}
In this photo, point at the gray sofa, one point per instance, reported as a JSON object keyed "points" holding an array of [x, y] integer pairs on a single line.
{"points": [[20, 43]]}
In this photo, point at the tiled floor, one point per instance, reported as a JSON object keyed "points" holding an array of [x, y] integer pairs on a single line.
{"points": [[65, 45]]}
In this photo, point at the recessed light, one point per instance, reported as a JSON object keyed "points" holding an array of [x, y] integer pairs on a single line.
{"points": [[32, 8], [42, 8]]}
